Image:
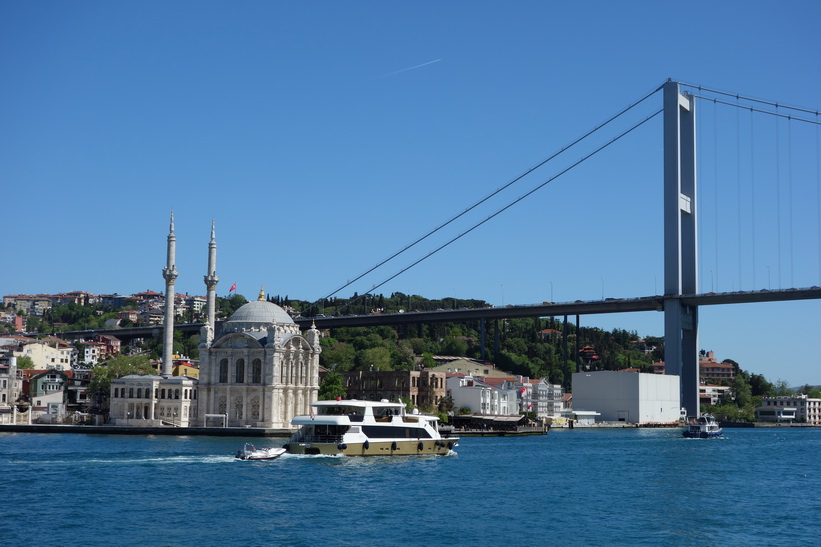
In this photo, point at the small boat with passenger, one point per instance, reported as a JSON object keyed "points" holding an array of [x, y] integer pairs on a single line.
{"points": [[367, 428], [249, 452], [703, 427]]}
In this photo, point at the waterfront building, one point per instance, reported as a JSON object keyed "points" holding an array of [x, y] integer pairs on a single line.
{"points": [[47, 394], [10, 386], [788, 408], [425, 388], [482, 398], [259, 371], [629, 397], [541, 397], [151, 400]]}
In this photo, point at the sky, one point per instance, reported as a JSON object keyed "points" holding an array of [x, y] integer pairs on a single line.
{"points": [[324, 137]]}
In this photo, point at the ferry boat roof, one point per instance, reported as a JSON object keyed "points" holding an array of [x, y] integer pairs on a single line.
{"points": [[358, 403]]}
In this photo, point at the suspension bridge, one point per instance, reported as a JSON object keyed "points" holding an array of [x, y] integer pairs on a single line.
{"points": [[765, 178]]}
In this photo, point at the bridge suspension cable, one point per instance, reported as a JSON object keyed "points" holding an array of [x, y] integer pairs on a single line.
{"points": [[749, 99], [492, 194], [520, 198]]}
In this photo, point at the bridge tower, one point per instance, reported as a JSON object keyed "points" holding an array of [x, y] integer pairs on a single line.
{"points": [[680, 243]]}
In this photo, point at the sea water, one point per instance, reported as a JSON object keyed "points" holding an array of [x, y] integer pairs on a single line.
{"points": [[570, 487]]}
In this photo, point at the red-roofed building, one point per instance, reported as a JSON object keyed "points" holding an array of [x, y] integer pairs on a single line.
{"points": [[710, 369]]}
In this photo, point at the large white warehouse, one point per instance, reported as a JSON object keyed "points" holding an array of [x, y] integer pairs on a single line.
{"points": [[630, 397]]}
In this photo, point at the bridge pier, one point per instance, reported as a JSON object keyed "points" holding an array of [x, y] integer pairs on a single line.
{"points": [[680, 243]]}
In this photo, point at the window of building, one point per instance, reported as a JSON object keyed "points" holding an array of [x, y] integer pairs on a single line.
{"points": [[257, 371], [223, 371], [131, 393], [240, 371]]}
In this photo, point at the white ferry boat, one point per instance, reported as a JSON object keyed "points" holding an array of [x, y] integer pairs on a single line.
{"points": [[367, 428], [703, 427]]}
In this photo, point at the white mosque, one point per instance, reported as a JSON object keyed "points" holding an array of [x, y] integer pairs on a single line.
{"points": [[259, 371]]}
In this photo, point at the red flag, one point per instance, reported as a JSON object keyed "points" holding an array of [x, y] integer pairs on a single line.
{"points": [[233, 287]]}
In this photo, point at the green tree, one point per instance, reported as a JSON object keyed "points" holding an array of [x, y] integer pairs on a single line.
{"points": [[331, 387], [337, 355], [227, 306], [454, 345], [375, 359], [760, 386], [24, 362], [742, 393]]}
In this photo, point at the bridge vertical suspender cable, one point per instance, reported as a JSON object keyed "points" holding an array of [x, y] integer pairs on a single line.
{"points": [[778, 193], [716, 238], [790, 201], [818, 193], [752, 188], [738, 185]]}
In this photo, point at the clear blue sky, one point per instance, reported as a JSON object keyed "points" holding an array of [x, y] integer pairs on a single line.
{"points": [[322, 137]]}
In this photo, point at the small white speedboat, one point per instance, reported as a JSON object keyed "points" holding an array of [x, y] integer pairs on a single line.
{"points": [[250, 452]]}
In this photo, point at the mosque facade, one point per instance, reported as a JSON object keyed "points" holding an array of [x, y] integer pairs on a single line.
{"points": [[260, 370]]}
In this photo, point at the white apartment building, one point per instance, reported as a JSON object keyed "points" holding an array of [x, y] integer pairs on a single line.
{"points": [[788, 408], [9, 388], [541, 397], [481, 398]]}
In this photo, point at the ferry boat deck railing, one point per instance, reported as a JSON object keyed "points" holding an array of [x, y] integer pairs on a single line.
{"points": [[319, 438]]}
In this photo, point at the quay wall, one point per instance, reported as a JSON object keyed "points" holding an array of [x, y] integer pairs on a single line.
{"points": [[123, 430]]}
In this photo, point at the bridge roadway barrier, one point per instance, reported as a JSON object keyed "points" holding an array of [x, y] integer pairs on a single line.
{"points": [[545, 309]]}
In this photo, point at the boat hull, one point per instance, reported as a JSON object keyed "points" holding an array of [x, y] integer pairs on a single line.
{"points": [[703, 434], [260, 454], [404, 447]]}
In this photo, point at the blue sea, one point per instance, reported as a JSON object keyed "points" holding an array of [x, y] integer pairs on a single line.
{"points": [[570, 487]]}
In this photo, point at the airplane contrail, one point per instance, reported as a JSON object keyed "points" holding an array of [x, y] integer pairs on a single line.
{"points": [[413, 67]]}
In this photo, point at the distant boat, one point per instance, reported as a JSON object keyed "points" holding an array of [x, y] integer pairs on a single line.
{"points": [[367, 428], [703, 427], [249, 452]]}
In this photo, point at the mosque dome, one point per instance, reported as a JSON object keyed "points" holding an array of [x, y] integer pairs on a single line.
{"points": [[261, 311]]}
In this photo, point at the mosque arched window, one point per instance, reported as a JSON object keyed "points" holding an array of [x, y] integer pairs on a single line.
{"points": [[163, 393], [256, 371], [131, 393], [176, 393], [139, 393], [223, 371], [116, 392], [240, 371]]}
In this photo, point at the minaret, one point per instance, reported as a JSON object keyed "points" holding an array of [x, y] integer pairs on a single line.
{"points": [[211, 281], [170, 275]]}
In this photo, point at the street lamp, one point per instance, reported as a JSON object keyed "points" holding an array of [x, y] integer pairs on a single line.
{"points": [[127, 417]]}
